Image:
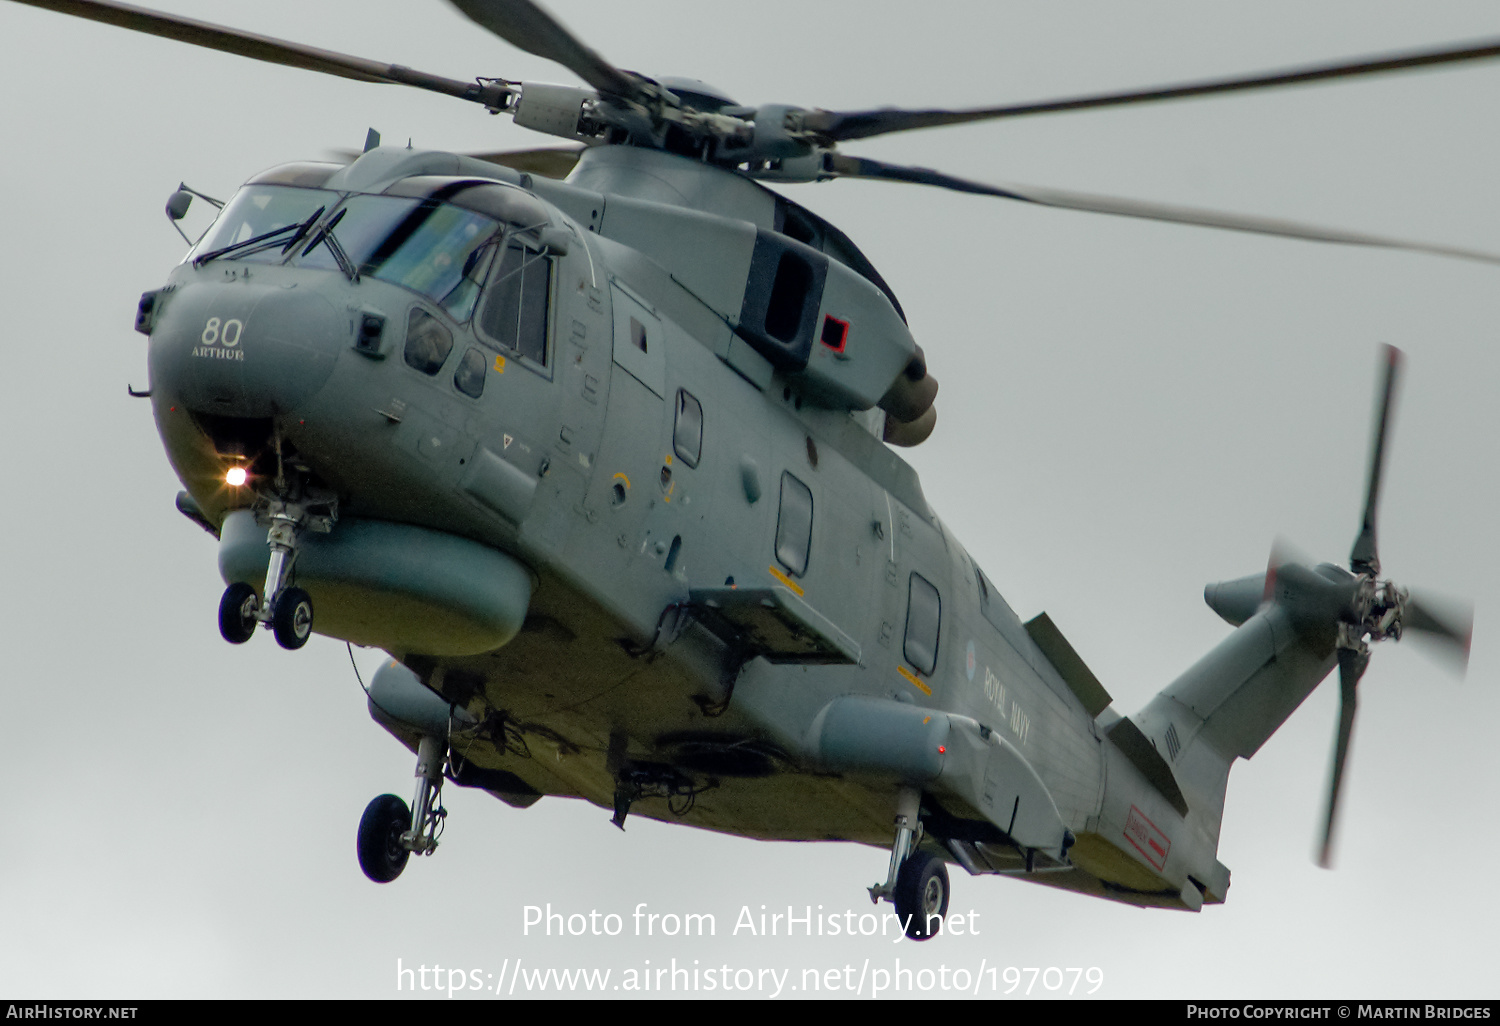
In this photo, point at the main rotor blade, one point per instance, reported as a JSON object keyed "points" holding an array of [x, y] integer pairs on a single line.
{"points": [[267, 48], [841, 126], [841, 166], [1363, 558], [528, 27], [1352, 663]]}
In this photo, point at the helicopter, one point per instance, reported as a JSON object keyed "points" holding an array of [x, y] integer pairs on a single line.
{"points": [[833, 645]]}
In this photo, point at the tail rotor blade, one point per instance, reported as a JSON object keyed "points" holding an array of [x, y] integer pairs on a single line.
{"points": [[1352, 663], [1447, 622], [1282, 553], [1363, 558]]}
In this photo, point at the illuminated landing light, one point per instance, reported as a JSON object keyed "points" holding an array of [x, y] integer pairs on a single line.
{"points": [[236, 477]]}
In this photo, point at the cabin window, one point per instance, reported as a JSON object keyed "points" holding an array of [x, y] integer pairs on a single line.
{"points": [[794, 525], [924, 614], [687, 430], [514, 314], [428, 343], [468, 378]]}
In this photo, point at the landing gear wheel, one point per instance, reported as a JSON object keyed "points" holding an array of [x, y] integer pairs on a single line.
{"points": [[381, 853], [922, 895], [292, 618], [237, 611]]}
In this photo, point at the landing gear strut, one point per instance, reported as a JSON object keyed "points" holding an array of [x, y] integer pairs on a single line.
{"points": [[389, 834], [917, 882], [286, 609]]}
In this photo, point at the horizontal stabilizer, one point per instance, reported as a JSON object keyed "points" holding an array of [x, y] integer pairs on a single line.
{"points": [[1236, 601]]}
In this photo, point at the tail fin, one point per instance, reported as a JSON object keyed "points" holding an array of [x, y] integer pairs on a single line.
{"points": [[1226, 705], [1290, 624], [1155, 839]]}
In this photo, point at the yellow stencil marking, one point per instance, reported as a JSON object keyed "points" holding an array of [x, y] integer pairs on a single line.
{"points": [[499, 365], [784, 579], [915, 681], [622, 477]]}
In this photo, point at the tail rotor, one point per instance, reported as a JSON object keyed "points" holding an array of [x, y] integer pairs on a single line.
{"points": [[1380, 611]]}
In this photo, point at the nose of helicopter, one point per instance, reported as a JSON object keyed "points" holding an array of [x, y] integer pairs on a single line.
{"points": [[244, 350]]}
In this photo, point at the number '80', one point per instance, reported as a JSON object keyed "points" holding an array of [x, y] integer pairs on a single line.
{"points": [[227, 332]]}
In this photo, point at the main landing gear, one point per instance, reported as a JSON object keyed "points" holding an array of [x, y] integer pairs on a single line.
{"points": [[917, 882], [287, 609], [389, 834]]}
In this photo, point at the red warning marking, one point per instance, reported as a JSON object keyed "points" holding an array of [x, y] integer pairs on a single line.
{"points": [[835, 333], [1148, 840]]}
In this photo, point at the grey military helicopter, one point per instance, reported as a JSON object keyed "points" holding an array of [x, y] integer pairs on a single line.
{"points": [[475, 416]]}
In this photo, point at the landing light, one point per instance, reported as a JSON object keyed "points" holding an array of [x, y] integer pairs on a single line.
{"points": [[236, 477]]}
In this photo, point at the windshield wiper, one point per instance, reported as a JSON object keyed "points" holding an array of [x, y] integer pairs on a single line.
{"points": [[265, 241], [326, 237]]}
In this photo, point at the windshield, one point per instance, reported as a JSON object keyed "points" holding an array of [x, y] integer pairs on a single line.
{"points": [[421, 244], [256, 210], [427, 246]]}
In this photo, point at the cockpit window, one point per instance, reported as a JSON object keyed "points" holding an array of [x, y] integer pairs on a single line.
{"points": [[429, 247], [434, 248], [258, 209], [514, 316]]}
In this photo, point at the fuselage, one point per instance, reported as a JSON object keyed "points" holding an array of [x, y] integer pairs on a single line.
{"points": [[580, 379]]}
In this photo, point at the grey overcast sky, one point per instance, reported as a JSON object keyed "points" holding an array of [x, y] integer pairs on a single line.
{"points": [[1128, 411]]}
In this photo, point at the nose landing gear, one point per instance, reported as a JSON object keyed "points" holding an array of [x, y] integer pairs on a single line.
{"points": [[238, 613], [287, 609], [291, 618]]}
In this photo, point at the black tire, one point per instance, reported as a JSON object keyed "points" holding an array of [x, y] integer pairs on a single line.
{"points": [[381, 855], [237, 613], [292, 618], [922, 895]]}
